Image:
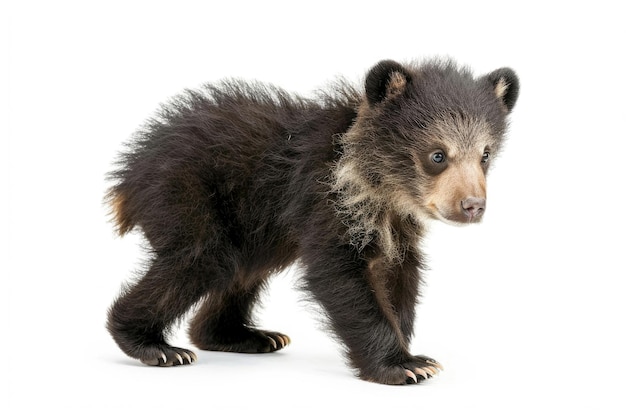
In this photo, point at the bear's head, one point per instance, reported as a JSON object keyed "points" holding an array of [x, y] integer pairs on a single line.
{"points": [[421, 145]]}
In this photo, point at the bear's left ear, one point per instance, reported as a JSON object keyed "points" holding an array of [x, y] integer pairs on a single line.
{"points": [[386, 79], [505, 85]]}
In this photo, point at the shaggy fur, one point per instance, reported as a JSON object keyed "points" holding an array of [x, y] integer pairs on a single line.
{"points": [[235, 182]]}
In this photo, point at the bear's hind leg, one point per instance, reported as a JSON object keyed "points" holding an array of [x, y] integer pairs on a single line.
{"points": [[224, 323], [139, 319]]}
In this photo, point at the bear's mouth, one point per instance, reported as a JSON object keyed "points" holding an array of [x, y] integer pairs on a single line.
{"points": [[454, 217]]}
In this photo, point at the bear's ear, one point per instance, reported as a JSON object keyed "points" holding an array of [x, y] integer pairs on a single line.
{"points": [[385, 79], [505, 85]]}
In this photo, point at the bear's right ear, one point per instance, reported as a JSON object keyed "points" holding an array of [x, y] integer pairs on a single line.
{"points": [[385, 79]]}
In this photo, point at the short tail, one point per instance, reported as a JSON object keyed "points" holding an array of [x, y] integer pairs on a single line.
{"points": [[119, 211]]}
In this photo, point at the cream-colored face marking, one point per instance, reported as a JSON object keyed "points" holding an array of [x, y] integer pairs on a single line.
{"points": [[464, 176], [458, 182], [460, 137]]}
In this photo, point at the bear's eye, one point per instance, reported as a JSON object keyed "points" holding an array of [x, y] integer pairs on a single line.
{"points": [[485, 158], [438, 157]]}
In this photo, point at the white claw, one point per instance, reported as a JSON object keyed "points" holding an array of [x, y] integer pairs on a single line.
{"points": [[164, 358], [272, 341], [421, 372], [430, 371], [180, 358], [281, 341], [186, 355], [193, 357], [411, 375]]}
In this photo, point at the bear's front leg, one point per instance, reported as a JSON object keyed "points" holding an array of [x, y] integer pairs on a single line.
{"points": [[359, 301]]}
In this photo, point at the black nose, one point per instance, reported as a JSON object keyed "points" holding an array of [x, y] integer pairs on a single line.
{"points": [[473, 207]]}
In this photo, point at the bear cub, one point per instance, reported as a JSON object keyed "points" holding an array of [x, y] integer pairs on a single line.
{"points": [[234, 182]]}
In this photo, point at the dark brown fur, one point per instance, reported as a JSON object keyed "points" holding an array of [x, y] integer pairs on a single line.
{"points": [[237, 181]]}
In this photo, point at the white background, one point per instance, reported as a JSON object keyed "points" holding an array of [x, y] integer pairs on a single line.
{"points": [[526, 311]]}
